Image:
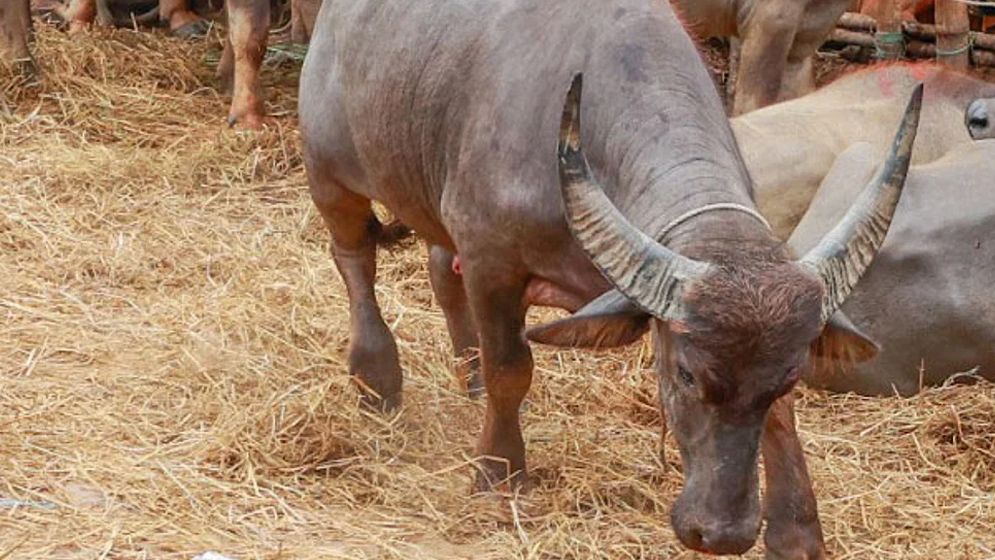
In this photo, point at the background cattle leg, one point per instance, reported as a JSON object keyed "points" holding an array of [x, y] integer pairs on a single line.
{"points": [[372, 351], [793, 529], [245, 47], [496, 298], [78, 14], [449, 291], [182, 20], [303, 13], [799, 78], [762, 59], [15, 31]]}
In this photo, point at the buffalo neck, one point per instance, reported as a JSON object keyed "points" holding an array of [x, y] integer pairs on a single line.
{"points": [[671, 151]]}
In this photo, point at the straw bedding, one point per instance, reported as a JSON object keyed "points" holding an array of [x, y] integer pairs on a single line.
{"points": [[173, 376]]}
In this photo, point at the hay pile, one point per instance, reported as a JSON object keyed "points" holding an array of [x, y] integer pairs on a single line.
{"points": [[173, 381]]}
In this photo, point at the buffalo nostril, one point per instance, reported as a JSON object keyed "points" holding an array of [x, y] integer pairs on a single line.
{"points": [[694, 540]]}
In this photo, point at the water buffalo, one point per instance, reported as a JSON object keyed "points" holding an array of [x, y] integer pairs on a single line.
{"points": [[80, 14], [927, 298], [779, 39], [15, 33], [789, 147], [245, 46], [448, 112]]}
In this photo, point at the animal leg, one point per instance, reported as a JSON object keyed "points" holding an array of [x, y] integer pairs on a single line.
{"points": [[248, 26], [373, 357], [15, 32], [799, 78], [183, 22], [793, 528], [302, 16], [762, 59], [78, 14], [496, 300], [449, 291]]}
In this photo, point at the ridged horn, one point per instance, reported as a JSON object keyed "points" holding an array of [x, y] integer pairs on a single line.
{"points": [[845, 253], [648, 273]]}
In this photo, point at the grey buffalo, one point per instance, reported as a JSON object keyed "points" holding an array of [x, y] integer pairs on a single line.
{"points": [[927, 299], [452, 115]]}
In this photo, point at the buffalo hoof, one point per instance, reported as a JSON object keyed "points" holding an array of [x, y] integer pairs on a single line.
{"points": [[196, 29], [799, 542], [250, 121], [493, 477], [386, 404]]}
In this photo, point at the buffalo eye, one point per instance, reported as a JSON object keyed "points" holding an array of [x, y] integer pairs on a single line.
{"points": [[792, 375], [685, 376]]}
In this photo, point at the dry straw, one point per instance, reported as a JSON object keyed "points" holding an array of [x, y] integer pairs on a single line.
{"points": [[173, 379]]}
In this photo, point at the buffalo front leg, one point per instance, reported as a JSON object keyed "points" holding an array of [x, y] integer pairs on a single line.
{"points": [[496, 300], [373, 360], [245, 47], [793, 529], [449, 291]]}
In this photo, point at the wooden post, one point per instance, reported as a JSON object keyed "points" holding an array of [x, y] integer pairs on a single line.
{"points": [[888, 40], [953, 34]]}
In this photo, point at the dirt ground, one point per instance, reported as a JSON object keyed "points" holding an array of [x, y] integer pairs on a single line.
{"points": [[172, 376]]}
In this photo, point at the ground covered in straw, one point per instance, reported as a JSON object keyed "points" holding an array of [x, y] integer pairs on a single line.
{"points": [[172, 376]]}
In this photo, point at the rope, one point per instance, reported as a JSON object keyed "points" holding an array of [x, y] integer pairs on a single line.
{"points": [[888, 38], [710, 208], [940, 53]]}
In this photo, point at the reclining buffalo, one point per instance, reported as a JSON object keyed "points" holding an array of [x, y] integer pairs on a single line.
{"points": [[927, 300], [448, 112], [859, 107]]}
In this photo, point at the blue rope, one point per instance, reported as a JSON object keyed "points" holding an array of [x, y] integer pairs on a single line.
{"points": [[888, 38]]}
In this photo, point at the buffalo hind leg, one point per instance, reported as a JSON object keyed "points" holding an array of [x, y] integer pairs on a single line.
{"points": [[449, 291], [245, 47], [496, 300], [373, 360], [793, 529]]}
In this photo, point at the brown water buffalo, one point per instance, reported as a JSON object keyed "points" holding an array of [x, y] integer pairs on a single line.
{"points": [[245, 47], [789, 147], [448, 112], [779, 39], [15, 34], [927, 299], [81, 14]]}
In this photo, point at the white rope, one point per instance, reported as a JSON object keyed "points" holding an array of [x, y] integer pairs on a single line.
{"points": [[711, 208]]}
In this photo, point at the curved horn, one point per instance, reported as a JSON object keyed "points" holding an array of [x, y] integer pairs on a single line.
{"points": [[647, 273], [843, 254]]}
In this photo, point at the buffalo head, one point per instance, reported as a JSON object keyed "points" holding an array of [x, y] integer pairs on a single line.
{"points": [[734, 328]]}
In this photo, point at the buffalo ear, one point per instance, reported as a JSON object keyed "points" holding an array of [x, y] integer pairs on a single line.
{"points": [[841, 340], [609, 321]]}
